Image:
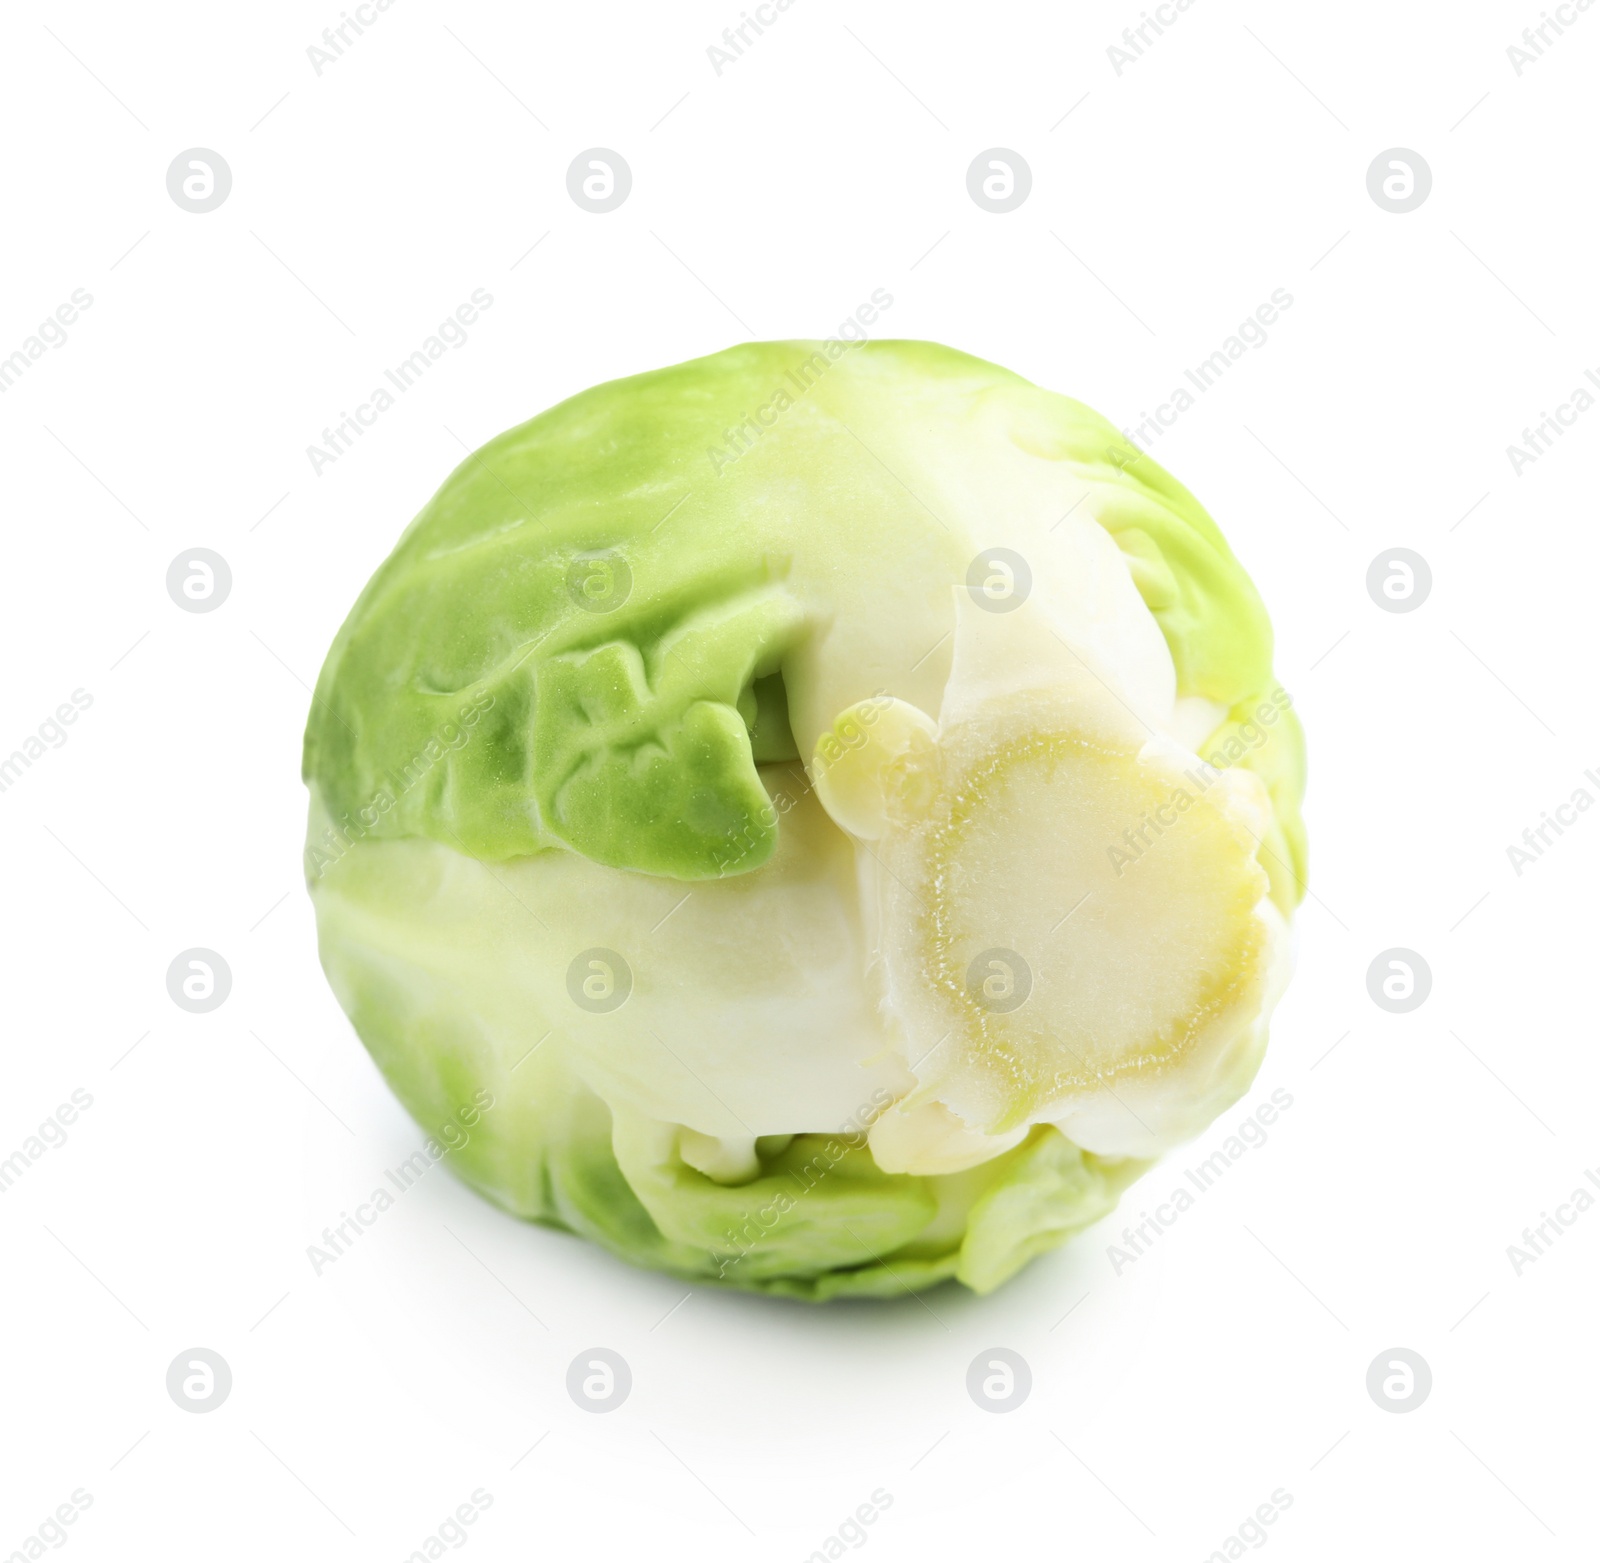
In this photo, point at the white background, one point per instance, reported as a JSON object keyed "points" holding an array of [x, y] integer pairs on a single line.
{"points": [[1167, 203]]}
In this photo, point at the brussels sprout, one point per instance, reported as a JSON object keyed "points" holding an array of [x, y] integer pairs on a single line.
{"points": [[832, 799]]}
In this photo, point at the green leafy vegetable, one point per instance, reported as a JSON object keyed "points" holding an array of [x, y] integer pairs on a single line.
{"points": [[832, 798]]}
